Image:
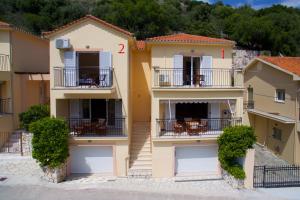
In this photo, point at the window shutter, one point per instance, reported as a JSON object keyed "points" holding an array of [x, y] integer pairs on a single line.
{"points": [[178, 70], [105, 68], [206, 70], [70, 72]]}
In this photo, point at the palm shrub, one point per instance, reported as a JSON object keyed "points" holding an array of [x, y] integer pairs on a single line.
{"points": [[50, 141], [33, 114], [233, 144]]}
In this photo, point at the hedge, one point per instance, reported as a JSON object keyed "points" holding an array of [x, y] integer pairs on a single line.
{"points": [[50, 141], [233, 144]]}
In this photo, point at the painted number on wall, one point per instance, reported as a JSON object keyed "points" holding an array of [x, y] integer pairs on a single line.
{"points": [[121, 48]]}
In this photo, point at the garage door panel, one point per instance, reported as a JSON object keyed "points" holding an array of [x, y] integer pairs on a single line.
{"points": [[87, 159], [198, 159]]}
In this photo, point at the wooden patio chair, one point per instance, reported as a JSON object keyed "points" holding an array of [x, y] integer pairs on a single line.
{"points": [[193, 128], [179, 127], [203, 125]]}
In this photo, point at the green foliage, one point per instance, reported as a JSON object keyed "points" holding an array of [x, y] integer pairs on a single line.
{"points": [[276, 28], [233, 144], [50, 141], [33, 114]]}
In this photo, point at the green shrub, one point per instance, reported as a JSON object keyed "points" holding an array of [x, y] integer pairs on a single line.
{"points": [[33, 114], [233, 144], [50, 141]]}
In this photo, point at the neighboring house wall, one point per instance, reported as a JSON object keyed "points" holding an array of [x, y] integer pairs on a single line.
{"points": [[264, 80], [29, 53], [141, 86]]}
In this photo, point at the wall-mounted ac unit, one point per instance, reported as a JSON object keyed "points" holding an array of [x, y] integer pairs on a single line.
{"points": [[62, 43]]}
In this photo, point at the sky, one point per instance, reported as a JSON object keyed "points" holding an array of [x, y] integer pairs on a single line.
{"points": [[257, 4]]}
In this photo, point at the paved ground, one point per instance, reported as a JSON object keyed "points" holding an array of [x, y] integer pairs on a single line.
{"points": [[263, 156], [31, 188]]}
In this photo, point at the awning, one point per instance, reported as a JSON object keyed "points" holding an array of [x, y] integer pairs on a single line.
{"points": [[272, 116], [199, 101]]}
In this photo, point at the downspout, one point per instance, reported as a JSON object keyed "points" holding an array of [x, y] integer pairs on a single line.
{"points": [[11, 79]]}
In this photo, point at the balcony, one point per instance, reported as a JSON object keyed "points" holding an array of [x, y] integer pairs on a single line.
{"points": [[83, 78], [195, 128], [5, 106], [80, 127], [4, 62], [248, 105], [202, 78]]}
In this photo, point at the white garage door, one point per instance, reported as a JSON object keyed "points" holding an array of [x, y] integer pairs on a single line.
{"points": [[196, 160], [91, 159]]}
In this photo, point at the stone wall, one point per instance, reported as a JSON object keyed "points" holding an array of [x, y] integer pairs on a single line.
{"points": [[26, 143], [241, 58], [248, 165], [55, 175]]}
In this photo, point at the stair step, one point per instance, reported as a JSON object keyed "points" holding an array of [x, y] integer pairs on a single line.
{"points": [[145, 167]]}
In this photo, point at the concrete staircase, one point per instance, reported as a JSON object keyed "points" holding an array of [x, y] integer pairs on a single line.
{"points": [[140, 163]]}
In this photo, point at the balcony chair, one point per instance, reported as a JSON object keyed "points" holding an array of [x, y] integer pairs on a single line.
{"points": [[193, 127], [102, 79], [179, 127], [203, 125], [100, 126]]}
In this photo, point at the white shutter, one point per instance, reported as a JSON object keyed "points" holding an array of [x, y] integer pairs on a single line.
{"points": [[178, 70], [206, 65], [70, 75], [75, 111], [215, 116], [105, 68]]}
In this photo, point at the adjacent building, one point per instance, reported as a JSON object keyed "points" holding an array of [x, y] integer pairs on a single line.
{"points": [[142, 108], [24, 74], [272, 103]]}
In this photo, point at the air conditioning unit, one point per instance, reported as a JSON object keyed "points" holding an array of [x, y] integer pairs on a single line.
{"points": [[62, 43]]}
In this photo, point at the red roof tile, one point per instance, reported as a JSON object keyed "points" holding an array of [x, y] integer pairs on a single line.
{"points": [[140, 44], [187, 38], [92, 18], [291, 64], [4, 24]]}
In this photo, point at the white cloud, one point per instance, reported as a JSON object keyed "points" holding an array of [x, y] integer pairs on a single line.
{"points": [[205, 1], [291, 3]]}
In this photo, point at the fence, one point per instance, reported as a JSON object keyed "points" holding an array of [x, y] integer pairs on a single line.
{"points": [[11, 142], [84, 77], [178, 77], [276, 176]]}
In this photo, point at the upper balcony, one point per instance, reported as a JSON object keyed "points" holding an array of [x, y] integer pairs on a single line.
{"points": [[4, 63], [83, 78], [203, 78]]}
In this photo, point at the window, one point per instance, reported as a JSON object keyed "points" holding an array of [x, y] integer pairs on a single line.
{"points": [[277, 133], [280, 95]]}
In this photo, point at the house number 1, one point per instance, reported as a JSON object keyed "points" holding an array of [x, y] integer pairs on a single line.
{"points": [[121, 46]]}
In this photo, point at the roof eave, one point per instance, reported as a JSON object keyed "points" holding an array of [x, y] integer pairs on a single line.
{"points": [[191, 42]]}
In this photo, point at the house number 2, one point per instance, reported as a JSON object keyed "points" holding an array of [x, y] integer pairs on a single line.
{"points": [[121, 47]]}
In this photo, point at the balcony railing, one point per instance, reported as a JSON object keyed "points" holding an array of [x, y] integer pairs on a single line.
{"points": [[85, 77], [197, 127], [249, 105], [97, 127], [203, 78], [4, 62], [5, 106]]}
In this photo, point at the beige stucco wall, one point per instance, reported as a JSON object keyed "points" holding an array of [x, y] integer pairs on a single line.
{"points": [[98, 38], [263, 130], [29, 53], [141, 86], [27, 93], [265, 80], [157, 108], [162, 55], [163, 156]]}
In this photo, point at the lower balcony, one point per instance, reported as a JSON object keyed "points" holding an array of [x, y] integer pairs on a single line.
{"points": [[194, 128], [101, 127], [5, 106]]}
